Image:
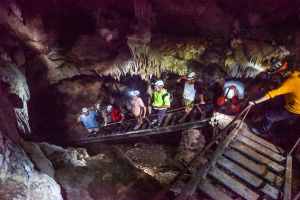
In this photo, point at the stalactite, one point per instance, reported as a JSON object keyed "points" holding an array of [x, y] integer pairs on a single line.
{"points": [[18, 85]]}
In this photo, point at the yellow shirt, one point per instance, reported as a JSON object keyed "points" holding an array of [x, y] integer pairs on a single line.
{"points": [[291, 90]]}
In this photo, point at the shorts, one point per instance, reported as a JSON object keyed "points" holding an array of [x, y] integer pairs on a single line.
{"points": [[90, 130], [188, 104]]}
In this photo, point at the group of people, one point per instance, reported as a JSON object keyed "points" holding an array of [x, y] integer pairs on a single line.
{"points": [[229, 102], [161, 101]]}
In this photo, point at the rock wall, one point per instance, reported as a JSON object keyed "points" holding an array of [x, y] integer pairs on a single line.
{"points": [[19, 178]]}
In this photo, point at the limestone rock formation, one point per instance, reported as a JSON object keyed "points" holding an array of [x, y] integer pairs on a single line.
{"points": [[18, 176], [191, 142]]}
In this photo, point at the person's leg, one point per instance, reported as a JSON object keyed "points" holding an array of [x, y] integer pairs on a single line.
{"points": [[90, 130], [96, 131], [274, 116], [160, 116], [188, 107]]}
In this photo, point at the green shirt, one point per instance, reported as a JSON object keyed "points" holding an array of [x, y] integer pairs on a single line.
{"points": [[161, 98]]}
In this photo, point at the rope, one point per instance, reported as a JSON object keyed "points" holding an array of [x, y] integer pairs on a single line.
{"points": [[295, 145]]}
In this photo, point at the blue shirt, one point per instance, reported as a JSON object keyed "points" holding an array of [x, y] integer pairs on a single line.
{"points": [[89, 121]]}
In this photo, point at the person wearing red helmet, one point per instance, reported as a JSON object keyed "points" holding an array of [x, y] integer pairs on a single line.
{"points": [[229, 102]]}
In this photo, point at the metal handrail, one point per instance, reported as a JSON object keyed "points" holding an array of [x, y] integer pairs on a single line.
{"points": [[152, 115]]}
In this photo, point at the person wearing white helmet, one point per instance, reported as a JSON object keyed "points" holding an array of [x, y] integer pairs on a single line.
{"points": [[137, 107], [89, 120], [191, 87], [161, 101]]}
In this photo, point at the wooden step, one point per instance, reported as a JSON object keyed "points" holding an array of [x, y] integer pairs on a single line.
{"points": [[260, 148], [213, 192], [257, 156], [260, 170], [249, 177], [233, 184], [248, 134]]}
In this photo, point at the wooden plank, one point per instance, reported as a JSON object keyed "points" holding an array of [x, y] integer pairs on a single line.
{"points": [[256, 156], [260, 148], [261, 141], [167, 119], [287, 193], [233, 184], [213, 192], [248, 177], [254, 167]]}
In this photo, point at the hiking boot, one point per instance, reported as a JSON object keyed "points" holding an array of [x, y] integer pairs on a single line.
{"points": [[154, 121], [95, 134], [257, 131], [156, 125], [137, 126], [181, 120]]}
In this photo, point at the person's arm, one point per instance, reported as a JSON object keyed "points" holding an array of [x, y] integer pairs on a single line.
{"points": [[105, 117], [144, 111], [78, 119], [198, 87], [201, 99], [181, 78], [285, 88], [122, 116], [262, 99]]}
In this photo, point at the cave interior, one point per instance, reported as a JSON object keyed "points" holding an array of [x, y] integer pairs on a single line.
{"points": [[59, 57]]}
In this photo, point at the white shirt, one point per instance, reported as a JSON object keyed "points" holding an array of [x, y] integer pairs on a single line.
{"points": [[189, 91]]}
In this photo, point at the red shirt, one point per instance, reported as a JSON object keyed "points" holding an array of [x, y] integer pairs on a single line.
{"points": [[116, 115]]}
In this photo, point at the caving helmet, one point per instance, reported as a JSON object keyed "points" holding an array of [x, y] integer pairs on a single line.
{"points": [[230, 92], [191, 75], [159, 84], [109, 108], [84, 110], [134, 93], [278, 66]]}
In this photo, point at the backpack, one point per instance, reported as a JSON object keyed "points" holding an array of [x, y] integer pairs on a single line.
{"points": [[167, 94]]}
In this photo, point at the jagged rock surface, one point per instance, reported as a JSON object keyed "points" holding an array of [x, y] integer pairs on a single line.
{"points": [[18, 177]]}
